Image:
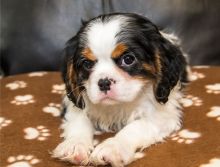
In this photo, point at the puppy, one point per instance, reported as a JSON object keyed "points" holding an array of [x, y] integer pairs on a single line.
{"points": [[122, 75]]}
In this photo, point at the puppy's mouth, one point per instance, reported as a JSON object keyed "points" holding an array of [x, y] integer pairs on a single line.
{"points": [[108, 99]]}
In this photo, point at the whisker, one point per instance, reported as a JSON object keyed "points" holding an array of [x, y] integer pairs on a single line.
{"points": [[72, 91], [77, 87], [80, 94]]}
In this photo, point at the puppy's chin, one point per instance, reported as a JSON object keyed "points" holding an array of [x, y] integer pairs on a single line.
{"points": [[108, 101]]}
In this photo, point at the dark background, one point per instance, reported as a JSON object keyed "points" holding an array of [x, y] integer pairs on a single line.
{"points": [[34, 32]]}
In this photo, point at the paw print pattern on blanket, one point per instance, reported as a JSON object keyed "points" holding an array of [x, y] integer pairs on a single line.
{"points": [[23, 100], [22, 161], [40, 133], [16, 85], [214, 88], [37, 74], [215, 162], [53, 108], [191, 100], [4, 122], [201, 120], [214, 113], [201, 67], [58, 88], [185, 136], [196, 75]]}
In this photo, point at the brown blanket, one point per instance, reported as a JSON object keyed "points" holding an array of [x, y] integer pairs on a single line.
{"points": [[29, 123]]}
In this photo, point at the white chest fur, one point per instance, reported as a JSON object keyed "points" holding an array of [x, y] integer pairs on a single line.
{"points": [[115, 117]]}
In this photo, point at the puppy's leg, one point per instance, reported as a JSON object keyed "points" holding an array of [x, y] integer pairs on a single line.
{"points": [[120, 150], [78, 137]]}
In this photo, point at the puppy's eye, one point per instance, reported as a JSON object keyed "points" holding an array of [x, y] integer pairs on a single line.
{"points": [[128, 60], [87, 64]]}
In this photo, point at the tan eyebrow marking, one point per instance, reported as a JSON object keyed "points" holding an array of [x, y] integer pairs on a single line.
{"points": [[119, 49], [156, 68], [149, 68], [87, 53]]}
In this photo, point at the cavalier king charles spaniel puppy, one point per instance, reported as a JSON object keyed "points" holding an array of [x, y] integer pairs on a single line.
{"points": [[122, 74]]}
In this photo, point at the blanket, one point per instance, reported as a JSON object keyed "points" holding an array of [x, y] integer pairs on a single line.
{"points": [[30, 120]]}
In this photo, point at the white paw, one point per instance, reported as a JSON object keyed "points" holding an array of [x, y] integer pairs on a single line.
{"points": [[53, 108], [16, 85], [74, 151], [111, 152], [23, 100], [22, 161], [59, 89], [40, 133]]}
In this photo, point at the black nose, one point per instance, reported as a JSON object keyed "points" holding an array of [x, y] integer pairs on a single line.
{"points": [[104, 84]]}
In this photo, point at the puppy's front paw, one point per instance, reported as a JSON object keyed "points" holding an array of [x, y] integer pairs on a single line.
{"points": [[111, 152], [74, 151]]}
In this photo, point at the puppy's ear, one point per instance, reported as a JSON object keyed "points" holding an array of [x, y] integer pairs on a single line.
{"points": [[170, 66], [71, 75]]}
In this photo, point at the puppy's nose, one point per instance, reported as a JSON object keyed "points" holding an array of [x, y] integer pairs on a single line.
{"points": [[104, 84]]}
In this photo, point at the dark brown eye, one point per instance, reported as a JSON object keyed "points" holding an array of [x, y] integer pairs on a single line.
{"points": [[87, 64], [128, 59]]}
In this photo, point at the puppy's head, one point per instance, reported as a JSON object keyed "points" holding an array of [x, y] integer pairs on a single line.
{"points": [[114, 57]]}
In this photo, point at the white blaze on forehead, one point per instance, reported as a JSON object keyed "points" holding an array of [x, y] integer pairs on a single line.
{"points": [[102, 37]]}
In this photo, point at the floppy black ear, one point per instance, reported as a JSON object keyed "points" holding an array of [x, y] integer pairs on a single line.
{"points": [[70, 73], [170, 65]]}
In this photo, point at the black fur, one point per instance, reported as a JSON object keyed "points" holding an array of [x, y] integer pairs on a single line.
{"points": [[63, 112], [173, 69], [71, 54]]}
